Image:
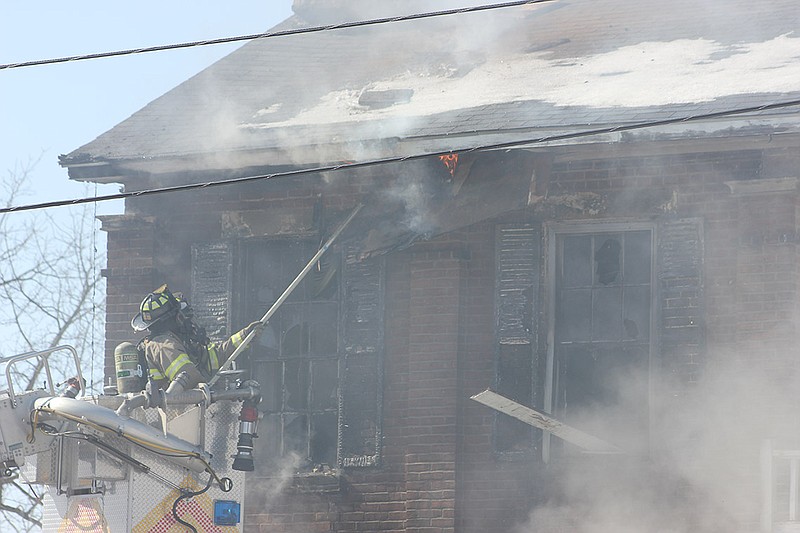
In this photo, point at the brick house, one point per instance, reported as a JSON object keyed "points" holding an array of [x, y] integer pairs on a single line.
{"points": [[616, 244]]}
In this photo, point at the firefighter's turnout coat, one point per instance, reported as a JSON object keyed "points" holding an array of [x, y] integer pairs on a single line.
{"points": [[167, 356]]}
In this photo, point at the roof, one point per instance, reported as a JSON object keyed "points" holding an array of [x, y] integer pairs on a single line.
{"points": [[458, 81]]}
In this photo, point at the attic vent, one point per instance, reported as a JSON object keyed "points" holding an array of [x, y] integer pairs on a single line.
{"points": [[380, 99]]}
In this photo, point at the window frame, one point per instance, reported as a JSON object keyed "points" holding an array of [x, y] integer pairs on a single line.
{"points": [[552, 231], [249, 246], [217, 272]]}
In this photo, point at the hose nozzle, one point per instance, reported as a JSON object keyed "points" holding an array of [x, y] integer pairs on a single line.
{"points": [[248, 422]]}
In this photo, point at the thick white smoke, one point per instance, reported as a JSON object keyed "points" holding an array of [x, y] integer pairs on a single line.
{"points": [[702, 473]]}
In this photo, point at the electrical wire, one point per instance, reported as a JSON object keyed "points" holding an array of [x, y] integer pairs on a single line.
{"points": [[399, 159], [266, 35]]}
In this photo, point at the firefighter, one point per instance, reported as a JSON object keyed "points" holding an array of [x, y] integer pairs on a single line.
{"points": [[178, 353]]}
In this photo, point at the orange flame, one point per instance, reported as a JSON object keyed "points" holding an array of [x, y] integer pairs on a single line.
{"points": [[450, 161]]}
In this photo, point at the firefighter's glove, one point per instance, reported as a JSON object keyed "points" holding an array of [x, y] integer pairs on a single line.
{"points": [[154, 395], [256, 327]]}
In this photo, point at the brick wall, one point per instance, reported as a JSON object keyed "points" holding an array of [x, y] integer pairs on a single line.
{"points": [[129, 276], [439, 473], [434, 308]]}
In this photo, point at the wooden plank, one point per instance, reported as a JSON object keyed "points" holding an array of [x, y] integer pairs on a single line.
{"points": [[532, 417]]}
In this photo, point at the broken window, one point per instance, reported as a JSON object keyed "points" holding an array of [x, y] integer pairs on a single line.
{"points": [[600, 360], [319, 359], [581, 348], [296, 359]]}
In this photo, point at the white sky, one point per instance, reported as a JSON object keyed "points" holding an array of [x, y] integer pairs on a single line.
{"points": [[53, 109]]}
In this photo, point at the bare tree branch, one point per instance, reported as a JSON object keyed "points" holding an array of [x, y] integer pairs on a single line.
{"points": [[49, 282]]}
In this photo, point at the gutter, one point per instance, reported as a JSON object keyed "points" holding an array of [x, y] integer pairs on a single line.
{"points": [[716, 135]]}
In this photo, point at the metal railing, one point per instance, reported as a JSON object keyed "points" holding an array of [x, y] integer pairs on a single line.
{"points": [[43, 357]]}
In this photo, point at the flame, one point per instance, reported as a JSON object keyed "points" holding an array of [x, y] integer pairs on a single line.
{"points": [[450, 161]]}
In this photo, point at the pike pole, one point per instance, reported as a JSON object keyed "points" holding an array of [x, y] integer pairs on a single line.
{"points": [[264, 319]]}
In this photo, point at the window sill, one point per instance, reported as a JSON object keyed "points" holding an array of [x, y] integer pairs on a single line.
{"points": [[316, 482], [762, 186]]}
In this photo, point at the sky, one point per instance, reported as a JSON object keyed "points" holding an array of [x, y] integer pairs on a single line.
{"points": [[50, 110]]}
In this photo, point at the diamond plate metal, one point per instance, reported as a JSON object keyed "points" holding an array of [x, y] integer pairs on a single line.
{"points": [[143, 500]]}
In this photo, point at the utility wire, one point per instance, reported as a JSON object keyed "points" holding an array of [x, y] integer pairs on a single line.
{"points": [[400, 159], [280, 33]]}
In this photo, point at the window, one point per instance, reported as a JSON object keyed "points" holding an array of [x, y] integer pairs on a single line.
{"points": [[580, 325], [602, 306], [296, 359], [320, 362]]}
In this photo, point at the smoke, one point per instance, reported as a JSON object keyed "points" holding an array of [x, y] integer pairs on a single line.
{"points": [[262, 491], [414, 195], [702, 473]]}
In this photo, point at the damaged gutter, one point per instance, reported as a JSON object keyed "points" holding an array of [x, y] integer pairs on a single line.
{"points": [[212, 165], [718, 134]]}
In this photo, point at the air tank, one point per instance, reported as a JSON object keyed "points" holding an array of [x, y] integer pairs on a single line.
{"points": [[129, 367]]}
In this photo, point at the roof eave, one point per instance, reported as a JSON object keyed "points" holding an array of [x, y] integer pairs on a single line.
{"points": [[595, 139]]}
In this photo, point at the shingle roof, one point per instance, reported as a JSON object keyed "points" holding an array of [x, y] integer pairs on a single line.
{"points": [[553, 66]]}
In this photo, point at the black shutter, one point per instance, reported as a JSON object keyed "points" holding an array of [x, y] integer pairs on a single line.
{"points": [[361, 388], [518, 263], [518, 257], [680, 284], [212, 278]]}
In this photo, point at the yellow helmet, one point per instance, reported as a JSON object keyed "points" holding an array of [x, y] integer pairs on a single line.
{"points": [[156, 306]]}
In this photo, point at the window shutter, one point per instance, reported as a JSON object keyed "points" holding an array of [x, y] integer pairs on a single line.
{"points": [[361, 386], [518, 257], [518, 263], [680, 283], [212, 275]]}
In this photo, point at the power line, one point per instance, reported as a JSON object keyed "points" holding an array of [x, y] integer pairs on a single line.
{"points": [[280, 33], [400, 159]]}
